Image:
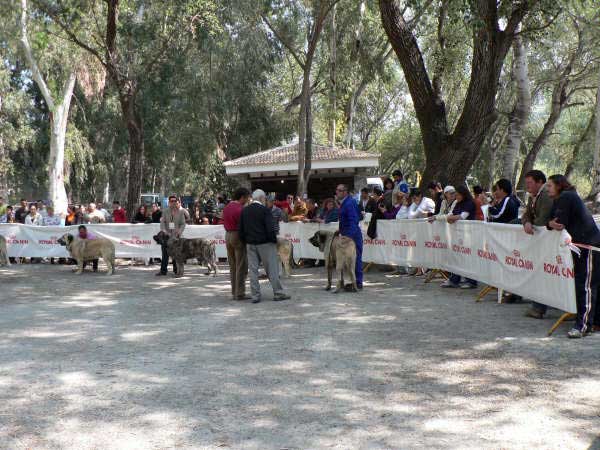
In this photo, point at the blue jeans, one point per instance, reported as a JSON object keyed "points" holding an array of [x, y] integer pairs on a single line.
{"points": [[455, 279]]}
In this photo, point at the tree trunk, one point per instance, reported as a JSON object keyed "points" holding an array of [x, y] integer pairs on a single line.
{"points": [[520, 113], [559, 101], [579, 144], [596, 169], [59, 115], [450, 156], [332, 80], [133, 122], [302, 134]]}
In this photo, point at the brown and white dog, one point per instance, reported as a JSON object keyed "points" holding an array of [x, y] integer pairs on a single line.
{"points": [[340, 255], [82, 250], [285, 251], [4, 261], [182, 249]]}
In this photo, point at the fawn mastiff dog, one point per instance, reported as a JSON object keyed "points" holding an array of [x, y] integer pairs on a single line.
{"points": [[340, 255], [285, 251], [182, 249], [82, 250]]}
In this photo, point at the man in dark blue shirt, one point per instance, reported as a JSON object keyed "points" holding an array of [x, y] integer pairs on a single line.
{"points": [[505, 208], [348, 222]]}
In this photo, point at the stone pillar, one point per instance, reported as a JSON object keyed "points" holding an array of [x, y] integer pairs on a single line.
{"points": [[360, 180]]}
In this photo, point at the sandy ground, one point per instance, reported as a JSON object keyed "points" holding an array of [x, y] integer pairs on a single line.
{"points": [[135, 362]]}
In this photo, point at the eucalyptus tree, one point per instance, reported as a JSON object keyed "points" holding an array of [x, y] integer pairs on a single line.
{"points": [[132, 40]]}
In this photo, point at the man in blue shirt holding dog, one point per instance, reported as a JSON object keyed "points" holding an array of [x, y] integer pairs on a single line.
{"points": [[348, 226]]}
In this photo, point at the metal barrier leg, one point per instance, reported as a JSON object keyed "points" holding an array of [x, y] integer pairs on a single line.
{"points": [[485, 291], [562, 318]]}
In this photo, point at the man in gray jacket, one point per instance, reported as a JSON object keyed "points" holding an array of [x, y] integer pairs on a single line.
{"points": [[172, 222], [537, 213]]}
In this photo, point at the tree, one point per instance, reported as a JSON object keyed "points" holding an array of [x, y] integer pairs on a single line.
{"points": [[596, 169], [59, 114], [133, 44], [520, 113], [451, 154], [315, 22]]}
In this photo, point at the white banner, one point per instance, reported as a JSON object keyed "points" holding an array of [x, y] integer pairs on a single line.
{"points": [[538, 267]]}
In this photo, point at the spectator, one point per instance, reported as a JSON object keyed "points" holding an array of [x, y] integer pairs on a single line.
{"points": [[141, 216], [156, 213], [537, 213], [398, 201], [464, 209], [388, 192], [51, 219], [505, 207], [570, 213], [41, 208], [34, 217], [421, 206], [403, 211], [8, 216], [436, 193], [93, 215], [119, 214], [480, 199], [236, 250], [277, 213], [367, 203], [282, 203], [105, 213], [256, 230], [311, 211], [21, 212], [210, 208], [197, 213], [399, 183], [299, 211], [330, 212], [290, 200], [70, 218], [2, 206], [448, 202]]}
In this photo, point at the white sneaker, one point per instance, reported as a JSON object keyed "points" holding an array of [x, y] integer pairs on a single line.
{"points": [[448, 284]]}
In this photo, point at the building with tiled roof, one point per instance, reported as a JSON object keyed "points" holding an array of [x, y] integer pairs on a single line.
{"points": [[276, 170]]}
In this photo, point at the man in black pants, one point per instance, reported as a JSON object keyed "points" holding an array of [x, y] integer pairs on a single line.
{"points": [[172, 222]]}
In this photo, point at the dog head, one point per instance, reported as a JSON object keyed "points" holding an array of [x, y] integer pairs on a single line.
{"points": [[320, 238], [65, 240], [161, 238]]}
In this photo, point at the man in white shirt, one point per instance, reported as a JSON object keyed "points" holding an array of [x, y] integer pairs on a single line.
{"points": [[95, 216], [421, 206]]}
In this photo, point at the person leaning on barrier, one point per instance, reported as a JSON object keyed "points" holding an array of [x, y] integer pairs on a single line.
{"points": [[505, 207], [448, 202], [257, 232], [570, 213], [464, 209], [173, 223], [537, 213], [237, 257]]}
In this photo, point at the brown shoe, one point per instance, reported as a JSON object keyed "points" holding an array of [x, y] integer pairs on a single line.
{"points": [[243, 297]]}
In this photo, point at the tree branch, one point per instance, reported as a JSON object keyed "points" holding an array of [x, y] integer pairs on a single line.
{"points": [[35, 71], [284, 41]]}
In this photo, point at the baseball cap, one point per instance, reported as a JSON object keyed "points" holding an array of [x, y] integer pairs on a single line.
{"points": [[449, 189]]}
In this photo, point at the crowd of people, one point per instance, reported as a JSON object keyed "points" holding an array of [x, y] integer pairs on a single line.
{"points": [[252, 223]]}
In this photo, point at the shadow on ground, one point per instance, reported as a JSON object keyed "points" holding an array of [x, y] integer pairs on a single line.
{"points": [[140, 361]]}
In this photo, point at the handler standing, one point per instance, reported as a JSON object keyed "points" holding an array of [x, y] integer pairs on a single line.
{"points": [[237, 257], [172, 222], [348, 222], [257, 231]]}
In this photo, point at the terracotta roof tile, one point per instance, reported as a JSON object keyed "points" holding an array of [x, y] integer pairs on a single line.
{"points": [[289, 154]]}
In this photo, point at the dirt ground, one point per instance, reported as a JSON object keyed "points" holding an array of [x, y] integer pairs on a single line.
{"points": [[134, 361]]}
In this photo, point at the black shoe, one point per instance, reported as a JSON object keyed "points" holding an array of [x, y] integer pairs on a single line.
{"points": [[360, 287], [281, 297], [159, 274]]}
